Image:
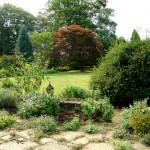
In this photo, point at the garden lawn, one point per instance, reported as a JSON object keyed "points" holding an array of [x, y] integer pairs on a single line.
{"points": [[62, 80]]}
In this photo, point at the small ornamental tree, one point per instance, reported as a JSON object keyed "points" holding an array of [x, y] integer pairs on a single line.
{"points": [[23, 43], [76, 47]]}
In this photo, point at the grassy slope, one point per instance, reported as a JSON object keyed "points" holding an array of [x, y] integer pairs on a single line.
{"points": [[61, 80]]}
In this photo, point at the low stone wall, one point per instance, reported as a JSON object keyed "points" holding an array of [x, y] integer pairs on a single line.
{"points": [[70, 108]]}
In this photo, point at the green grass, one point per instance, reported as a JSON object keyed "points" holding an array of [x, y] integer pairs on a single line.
{"points": [[62, 80]]}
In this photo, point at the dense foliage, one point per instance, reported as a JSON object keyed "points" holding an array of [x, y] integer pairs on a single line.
{"points": [[45, 124], [6, 120], [8, 99], [136, 119], [7, 65], [123, 74], [100, 110], [73, 125], [36, 104], [41, 44], [73, 92], [76, 46]]}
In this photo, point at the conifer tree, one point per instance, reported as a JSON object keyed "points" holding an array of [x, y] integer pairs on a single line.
{"points": [[23, 43], [135, 37]]}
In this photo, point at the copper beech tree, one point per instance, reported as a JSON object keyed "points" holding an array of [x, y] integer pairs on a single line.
{"points": [[76, 47]]}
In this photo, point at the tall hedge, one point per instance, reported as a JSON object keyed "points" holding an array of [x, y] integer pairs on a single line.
{"points": [[124, 73]]}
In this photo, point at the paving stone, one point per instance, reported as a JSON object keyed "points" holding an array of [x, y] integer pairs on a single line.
{"points": [[53, 145], [19, 144], [98, 146], [81, 141], [69, 136], [3, 133], [26, 133], [46, 140], [6, 138]]}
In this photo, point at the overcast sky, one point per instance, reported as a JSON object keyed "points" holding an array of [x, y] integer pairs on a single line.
{"points": [[130, 14]]}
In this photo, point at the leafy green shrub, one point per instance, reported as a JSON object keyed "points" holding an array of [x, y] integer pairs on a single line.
{"points": [[35, 104], [146, 139], [138, 116], [73, 125], [7, 65], [95, 94], [141, 122], [45, 124], [8, 99], [6, 120], [123, 130], [121, 145], [101, 110], [7, 61], [91, 129], [7, 83], [134, 119], [123, 74], [74, 92]]}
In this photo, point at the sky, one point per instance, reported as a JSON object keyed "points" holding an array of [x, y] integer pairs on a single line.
{"points": [[129, 14]]}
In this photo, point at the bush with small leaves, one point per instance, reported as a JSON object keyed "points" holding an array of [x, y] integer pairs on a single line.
{"points": [[145, 139], [91, 129], [100, 110], [35, 104], [141, 122], [136, 118], [123, 130], [45, 124], [121, 145], [74, 92], [6, 120], [7, 83], [73, 125], [8, 99]]}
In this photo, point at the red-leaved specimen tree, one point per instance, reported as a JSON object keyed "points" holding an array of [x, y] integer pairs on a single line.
{"points": [[76, 47]]}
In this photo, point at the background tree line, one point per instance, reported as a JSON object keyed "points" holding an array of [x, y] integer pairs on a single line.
{"points": [[57, 14]]}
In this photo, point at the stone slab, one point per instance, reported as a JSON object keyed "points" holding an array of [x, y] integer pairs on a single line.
{"points": [[19, 144], [68, 136], [26, 133], [53, 145], [98, 146], [46, 140], [82, 141]]}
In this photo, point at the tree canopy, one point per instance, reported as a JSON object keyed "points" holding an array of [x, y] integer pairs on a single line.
{"points": [[88, 14], [11, 19], [76, 47]]}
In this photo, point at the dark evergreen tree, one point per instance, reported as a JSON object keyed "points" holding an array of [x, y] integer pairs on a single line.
{"points": [[135, 37], [23, 43]]}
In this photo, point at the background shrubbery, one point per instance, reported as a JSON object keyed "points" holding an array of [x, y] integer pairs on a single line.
{"points": [[8, 99], [73, 92]]}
